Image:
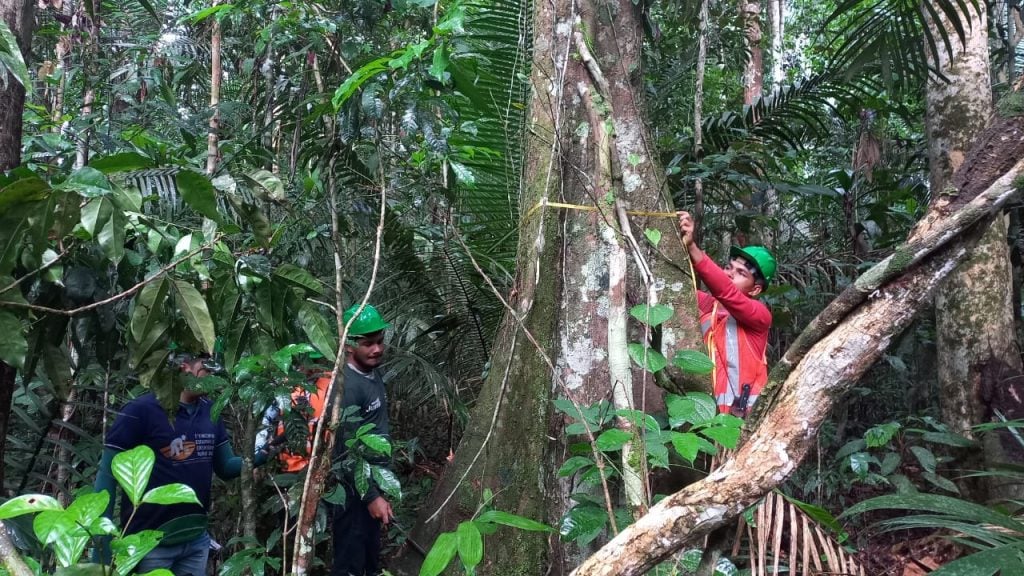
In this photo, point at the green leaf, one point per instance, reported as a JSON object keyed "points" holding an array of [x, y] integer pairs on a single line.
{"points": [[13, 345], [687, 444], [95, 215], [693, 362], [377, 443], [28, 504], [941, 482], [925, 457], [653, 236], [65, 537], [358, 78], [613, 439], [11, 58], [859, 462], [128, 551], [198, 192], [878, 436], [362, 477], [646, 357], [219, 10], [890, 463], [652, 315], [111, 235], [269, 182], [726, 436], [463, 174], [132, 469], [695, 408], [573, 465], [23, 191], [387, 481], [88, 508], [440, 554], [583, 523], [513, 520], [317, 330], [818, 514], [171, 494], [470, 544], [439, 64], [87, 182], [149, 308], [121, 162], [299, 278], [193, 307], [336, 496]]}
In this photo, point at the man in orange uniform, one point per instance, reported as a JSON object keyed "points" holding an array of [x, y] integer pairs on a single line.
{"points": [[311, 406], [734, 323]]}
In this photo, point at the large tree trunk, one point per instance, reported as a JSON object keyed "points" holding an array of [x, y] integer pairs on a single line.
{"points": [[565, 333], [753, 70], [976, 339], [19, 17]]}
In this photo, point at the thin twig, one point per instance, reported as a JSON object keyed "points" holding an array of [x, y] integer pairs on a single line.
{"points": [[15, 284], [115, 297]]}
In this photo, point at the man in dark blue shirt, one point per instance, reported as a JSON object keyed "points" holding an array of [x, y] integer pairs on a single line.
{"points": [[188, 450]]}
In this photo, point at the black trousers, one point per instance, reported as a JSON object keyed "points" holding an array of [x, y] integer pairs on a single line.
{"points": [[356, 539]]}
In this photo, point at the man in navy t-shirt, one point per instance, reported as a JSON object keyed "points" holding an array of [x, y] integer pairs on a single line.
{"points": [[188, 450]]}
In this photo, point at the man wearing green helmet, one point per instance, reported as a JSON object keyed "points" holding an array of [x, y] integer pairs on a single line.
{"points": [[733, 321], [357, 522]]}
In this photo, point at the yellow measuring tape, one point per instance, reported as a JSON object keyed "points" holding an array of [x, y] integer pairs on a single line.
{"points": [[542, 204]]}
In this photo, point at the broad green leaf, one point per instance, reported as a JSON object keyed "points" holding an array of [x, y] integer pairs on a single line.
{"points": [[695, 408], [653, 236], [23, 191], [358, 78], [65, 537], [199, 193], [509, 519], [269, 182], [646, 357], [128, 551], [28, 504], [13, 345], [583, 523], [336, 496], [218, 10], [171, 494], [639, 419], [149, 308], [362, 477], [878, 436], [283, 357], [463, 174], [387, 481], [693, 362], [819, 514], [451, 21], [941, 482], [87, 182], [440, 554], [652, 315], [613, 439], [859, 462], [936, 504], [158, 572], [890, 463], [132, 469], [439, 63], [111, 234], [95, 215], [925, 457], [87, 508], [470, 544], [1003, 560], [726, 436], [193, 307], [11, 58], [949, 439], [299, 278], [121, 162], [80, 569], [573, 465], [687, 444], [377, 443], [317, 330]]}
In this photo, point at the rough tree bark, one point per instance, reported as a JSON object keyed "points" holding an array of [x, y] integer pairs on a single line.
{"points": [[19, 17], [976, 340], [587, 145], [216, 76], [753, 70]]}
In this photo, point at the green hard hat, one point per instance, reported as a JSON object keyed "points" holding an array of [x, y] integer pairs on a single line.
{"points": [[759, 256], [368, 321]]}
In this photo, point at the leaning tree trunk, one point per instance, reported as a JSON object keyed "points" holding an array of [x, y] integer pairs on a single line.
{"points": [[827, 360], [18, 15], [566, 329], [977, 347]]}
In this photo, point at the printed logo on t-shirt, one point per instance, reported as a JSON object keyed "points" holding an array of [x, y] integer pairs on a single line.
{"points": [[373, 405], [179, 449]]}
